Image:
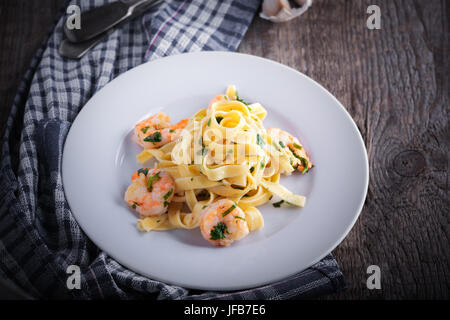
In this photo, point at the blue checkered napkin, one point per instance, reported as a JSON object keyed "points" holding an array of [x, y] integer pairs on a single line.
{"points": [[39, 238]]}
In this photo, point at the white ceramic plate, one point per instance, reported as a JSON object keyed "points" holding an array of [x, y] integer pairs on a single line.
{"points": [[99, 158]]}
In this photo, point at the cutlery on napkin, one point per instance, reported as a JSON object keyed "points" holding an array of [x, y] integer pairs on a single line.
{"points": [[98, 23]]}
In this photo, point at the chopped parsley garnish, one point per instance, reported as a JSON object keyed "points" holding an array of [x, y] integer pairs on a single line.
{"points": [[252, 169], [278, 204], [209, 122], [307, 169], [263, 164], [238, 217], [259, 140], [270, 197], [172, 130], [303, 160], [218, 119], [166, 203], [144, 171], [218, 231], [297, 146], [168, 194], [154, 137], [135, 204], [152, 179], [200, 142], [229, 210], [144, 130], [276, 147], [242, 101], [202, 152], [157, 221], [282, 144], [204, 207], [192, 179]]}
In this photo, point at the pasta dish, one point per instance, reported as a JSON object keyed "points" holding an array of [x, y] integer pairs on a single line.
{"points": [[213, 170]]}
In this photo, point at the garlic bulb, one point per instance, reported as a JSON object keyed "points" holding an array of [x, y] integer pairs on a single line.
{"points": [[271, 8], [283, 10]]}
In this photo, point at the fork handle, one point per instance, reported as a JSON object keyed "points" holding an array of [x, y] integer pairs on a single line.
{"points": [[100, 19]]}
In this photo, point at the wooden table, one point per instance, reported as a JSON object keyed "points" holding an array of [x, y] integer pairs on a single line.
{"points": [[393, 81]]}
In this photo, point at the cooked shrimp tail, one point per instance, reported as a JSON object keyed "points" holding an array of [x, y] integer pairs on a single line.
{"points": [[299, 157], [156, 131]]}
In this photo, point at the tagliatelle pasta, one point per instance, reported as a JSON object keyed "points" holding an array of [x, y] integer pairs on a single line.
{"points": [[221, 152]]}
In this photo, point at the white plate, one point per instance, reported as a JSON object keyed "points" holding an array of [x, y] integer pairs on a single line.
{"points": [[99, 158]]}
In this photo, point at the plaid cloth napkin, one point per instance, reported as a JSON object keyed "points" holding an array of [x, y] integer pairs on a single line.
{"points": [[39, 237]]}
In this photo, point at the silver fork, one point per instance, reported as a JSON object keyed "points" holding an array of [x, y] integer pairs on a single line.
{"points": [[99, 22]]}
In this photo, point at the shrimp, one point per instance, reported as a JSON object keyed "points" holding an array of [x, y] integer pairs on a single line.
{"points": [[301, 158], [222, 222], [150, 192], [156, 131], [179, 126]]}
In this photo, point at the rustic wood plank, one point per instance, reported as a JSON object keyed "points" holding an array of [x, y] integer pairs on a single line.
{"points": [[394, 83]]}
